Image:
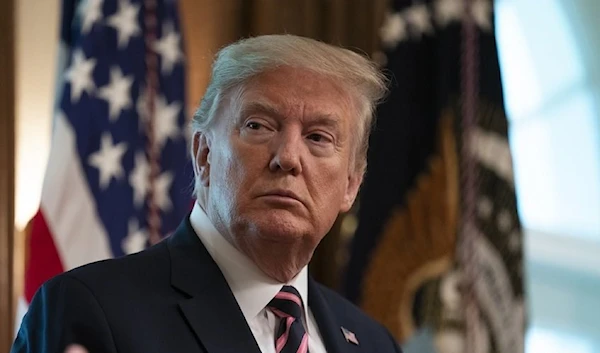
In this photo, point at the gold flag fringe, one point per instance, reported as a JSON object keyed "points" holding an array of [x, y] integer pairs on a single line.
{"points": [[418, 241]]}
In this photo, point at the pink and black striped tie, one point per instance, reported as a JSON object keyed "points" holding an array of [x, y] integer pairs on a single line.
{"points": [[291, 337]]}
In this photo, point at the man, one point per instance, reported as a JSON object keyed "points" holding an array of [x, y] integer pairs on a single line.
{"points": [[279, 149]]}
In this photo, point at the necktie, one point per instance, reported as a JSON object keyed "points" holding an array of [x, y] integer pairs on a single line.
{"points": [[291, 337]]}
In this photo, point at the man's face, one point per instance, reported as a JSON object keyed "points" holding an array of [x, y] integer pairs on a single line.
{"points": [[279, 165]]}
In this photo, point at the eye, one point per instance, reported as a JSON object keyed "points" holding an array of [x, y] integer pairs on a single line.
{"points": [[253, 125], [318, 138]]}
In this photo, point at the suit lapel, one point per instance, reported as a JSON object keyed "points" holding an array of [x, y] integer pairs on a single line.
{"points": [[328, 323], [210, 310]]}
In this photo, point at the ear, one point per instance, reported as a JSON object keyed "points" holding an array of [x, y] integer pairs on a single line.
{"points": [[354, 181], [201, 150]]}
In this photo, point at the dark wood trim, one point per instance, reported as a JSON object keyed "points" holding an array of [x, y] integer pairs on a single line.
{"points": [[7, 171]]}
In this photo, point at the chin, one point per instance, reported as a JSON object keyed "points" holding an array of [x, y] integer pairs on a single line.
{"points": [[279, 226]]}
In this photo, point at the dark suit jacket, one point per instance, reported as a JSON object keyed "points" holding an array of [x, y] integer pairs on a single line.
{"points": [[171, 297]]}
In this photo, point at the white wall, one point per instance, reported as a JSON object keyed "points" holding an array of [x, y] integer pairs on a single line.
{"points": [[36, 52]]}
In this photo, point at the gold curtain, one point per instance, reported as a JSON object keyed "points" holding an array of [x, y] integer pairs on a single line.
{"points": [[7, 169], [210, 24]]}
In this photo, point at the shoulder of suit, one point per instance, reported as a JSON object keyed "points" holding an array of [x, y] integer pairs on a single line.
{"points": [[347, 313], [348, 310], [133, 268]]}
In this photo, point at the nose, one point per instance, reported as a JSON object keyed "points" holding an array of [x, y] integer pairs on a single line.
{"points": [[287, 154]]}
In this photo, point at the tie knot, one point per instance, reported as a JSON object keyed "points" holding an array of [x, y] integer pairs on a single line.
{"points": [[287, 303]]}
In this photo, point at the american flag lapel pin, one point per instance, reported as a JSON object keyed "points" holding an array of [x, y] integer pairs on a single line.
{"points": [[349, 336]]}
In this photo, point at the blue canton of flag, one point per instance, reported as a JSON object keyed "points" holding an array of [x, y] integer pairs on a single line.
{"points": [[104, 99]]}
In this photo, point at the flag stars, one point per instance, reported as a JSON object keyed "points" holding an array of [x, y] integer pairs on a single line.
{"points": [[447, 11], [138, 179], [393, 30], [108, 160], [136, 238], [481, 10], [125, 21], [162, 186], [379, 58], [117, 92], [504, 221], [92, 13], [396, 26], [79, 75], [419, 19], [168, 46], [416, 20], [166, 120]]}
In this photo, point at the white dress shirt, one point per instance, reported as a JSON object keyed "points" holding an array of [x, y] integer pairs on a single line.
{"points": [[252, 289]]}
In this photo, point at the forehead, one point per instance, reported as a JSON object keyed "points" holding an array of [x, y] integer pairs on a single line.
{"points": [[293, 90]]}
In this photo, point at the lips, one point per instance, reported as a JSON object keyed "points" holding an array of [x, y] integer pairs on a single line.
{"points": [[283, 193]]}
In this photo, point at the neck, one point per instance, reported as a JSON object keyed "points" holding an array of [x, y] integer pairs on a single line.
{"points": [[281, 262]]}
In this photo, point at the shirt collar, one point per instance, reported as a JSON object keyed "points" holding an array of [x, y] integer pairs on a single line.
{"points": [[252, 289]]}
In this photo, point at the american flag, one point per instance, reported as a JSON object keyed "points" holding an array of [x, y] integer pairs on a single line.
{"points": [[118, 177]]}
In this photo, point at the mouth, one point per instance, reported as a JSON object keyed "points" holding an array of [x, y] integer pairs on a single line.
{"points": [[282, 195]]}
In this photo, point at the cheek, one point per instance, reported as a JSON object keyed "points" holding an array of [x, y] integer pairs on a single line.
{"points": [[222, 169], [330, 186], [234, 172]]}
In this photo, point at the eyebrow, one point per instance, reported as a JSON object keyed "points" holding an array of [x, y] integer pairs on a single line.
{"points": [[262, 107], [329, 120]]}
